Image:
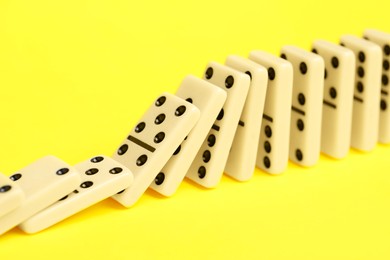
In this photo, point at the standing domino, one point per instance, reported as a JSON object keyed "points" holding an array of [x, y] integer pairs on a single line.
{"points": [[43, 183], [153, 141], [365, 115], [306, 110], [11, 195], [242, 157], [101, 177], [209, 163], [338, 96], [272, 155], [209, 99], [383, 40]]}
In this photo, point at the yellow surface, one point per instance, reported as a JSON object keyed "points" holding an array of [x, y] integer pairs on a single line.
{"points": [[76, 75]]}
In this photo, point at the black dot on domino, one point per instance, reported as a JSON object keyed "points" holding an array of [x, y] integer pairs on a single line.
{"points": [[361, 56], [229, 82], [267, 162], [115, 170], [86, 184], [342, 44], [91, 171], [267, 146], [62, 171], [314, 51], [283, 56], [158, 138], [211, 140], [5, 188], [333, 92], [209, 73], [16, 177], [221, 114], [271, 73], [180, 111], [97, 159], [385, 80], [303, 68], [360, 71], [249, 74], [123, 149], [159, 178], [140, 127], [177, 150], [141, 160], [386, 49], [386, 65], [300, 125], [201, 172], [189, 100], [383, 105], [64, 198], [301, 99], [206, 156], [298, 155], [268, 131], [159, 119], [360, 87], [160, 101], [335, 62]]}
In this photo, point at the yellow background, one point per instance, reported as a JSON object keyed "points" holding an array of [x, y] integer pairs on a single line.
{"points": [[76, 75]]}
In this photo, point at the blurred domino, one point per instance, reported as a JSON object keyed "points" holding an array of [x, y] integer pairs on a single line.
{"points": [[365, 119], [101, 177], [43, 183], [306, 110], [209, 163], [272, 155], [383, 40], [242, 157], [338, 96], [209, 99], [11, 195], [153, 141]]}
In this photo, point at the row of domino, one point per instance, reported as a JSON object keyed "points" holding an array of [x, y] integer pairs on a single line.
{"points": [[257, 111]]}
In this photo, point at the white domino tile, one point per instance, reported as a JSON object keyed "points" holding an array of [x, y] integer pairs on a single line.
{"points": [[337, 98], [383, 40], [272, 156], [366, 98], [153, 142], [306, 109], [208, 165], [43, 182], [101, 177], [242, 157], [209, 99]]}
